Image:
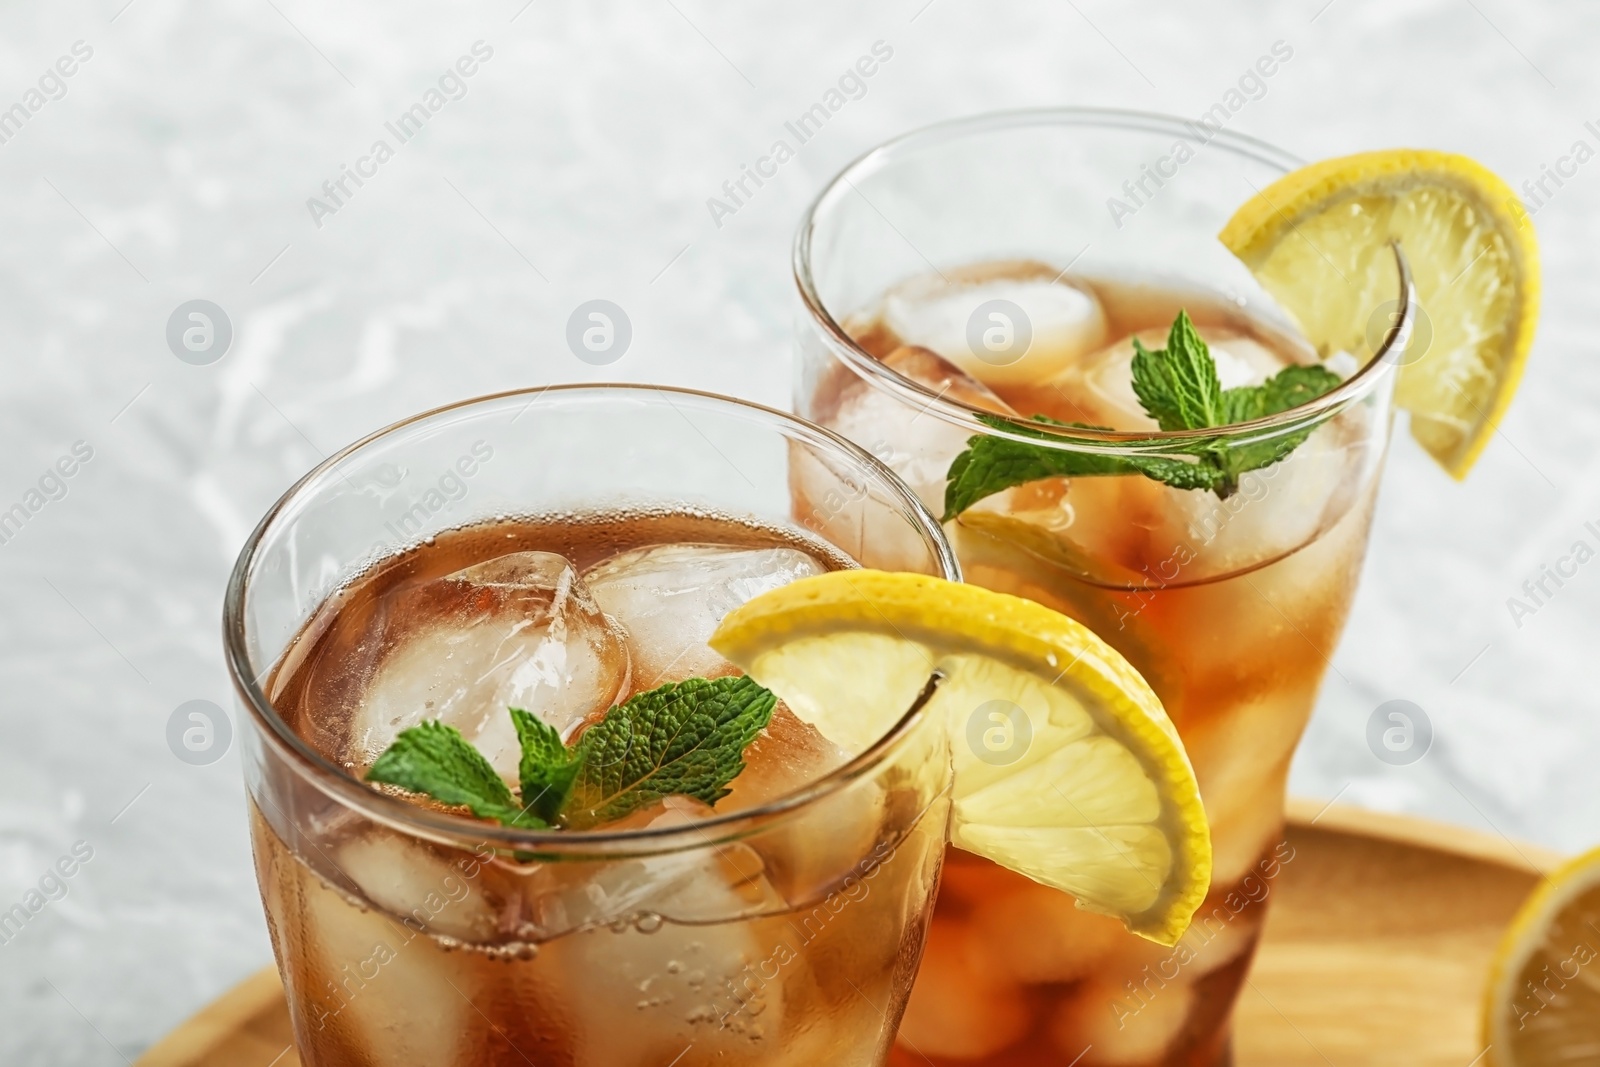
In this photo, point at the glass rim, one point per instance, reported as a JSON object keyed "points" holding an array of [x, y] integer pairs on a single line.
{"points": [[1018, 428], [342, 786]]}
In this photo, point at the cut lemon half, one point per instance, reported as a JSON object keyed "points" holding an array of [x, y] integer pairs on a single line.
{"points": [[1067, 769], [1317, 240], [1542, 1006]]}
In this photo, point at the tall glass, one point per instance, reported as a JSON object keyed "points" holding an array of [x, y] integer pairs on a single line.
{"points": [[1229, 603], [408, 935]]}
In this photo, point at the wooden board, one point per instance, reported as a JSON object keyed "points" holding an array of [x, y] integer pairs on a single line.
{"points": [[1377, 943]]}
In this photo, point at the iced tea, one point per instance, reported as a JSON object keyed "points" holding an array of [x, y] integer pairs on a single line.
{"points": [[959, 281], [780, 926], [1228, 605]]}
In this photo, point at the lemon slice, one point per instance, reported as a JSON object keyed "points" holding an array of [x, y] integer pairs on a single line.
{"points": [[1067, 769], [1317, 240], [1542, 1006]]}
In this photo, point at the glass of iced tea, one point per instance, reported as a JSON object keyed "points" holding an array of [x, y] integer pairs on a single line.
{"points": [[563, 550], [975, 296]]}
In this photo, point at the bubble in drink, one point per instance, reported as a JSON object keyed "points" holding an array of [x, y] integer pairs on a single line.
{"points": [[669, 598], [520, 630]]}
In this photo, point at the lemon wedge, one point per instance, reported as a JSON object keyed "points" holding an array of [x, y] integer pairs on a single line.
{"points": [[1317, 240], [1067, 769], [1542, 1005]]}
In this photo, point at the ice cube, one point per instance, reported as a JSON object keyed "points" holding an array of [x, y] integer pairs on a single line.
{"points": [[784, 757], [1102, 1025], [671, 597], [913, 441], [520, 630], [1038, 934], [560, 898], [962, 1007], [643, 992], [1060, 321], [1276, 509], [1242, 360], [390, 994], [909, 438], [418, 886], [1241, 758]]}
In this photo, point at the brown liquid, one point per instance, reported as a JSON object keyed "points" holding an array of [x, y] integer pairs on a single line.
{"points": [[794, 945], [1231, 625]]}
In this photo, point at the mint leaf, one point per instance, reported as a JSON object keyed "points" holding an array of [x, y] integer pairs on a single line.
{"points": [[1289, 388], [548, 768], [681, 739], [435, 760], [1296, 385], [991, 464], [1178, 388]]}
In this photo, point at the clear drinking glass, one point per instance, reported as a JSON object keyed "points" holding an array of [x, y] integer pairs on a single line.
{"points": [[1228, 603], [408, 935]]}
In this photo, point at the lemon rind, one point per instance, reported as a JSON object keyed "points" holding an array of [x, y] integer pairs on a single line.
{"points": [[1558, 889]]}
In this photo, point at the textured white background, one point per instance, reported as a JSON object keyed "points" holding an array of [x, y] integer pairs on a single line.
{"points": [[578, 166]]}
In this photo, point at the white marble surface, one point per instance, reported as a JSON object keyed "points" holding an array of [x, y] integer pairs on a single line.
{"points": [[178, 163]]}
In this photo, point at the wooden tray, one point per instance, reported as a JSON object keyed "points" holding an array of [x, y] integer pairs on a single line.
{"points": [[1377, 944]]}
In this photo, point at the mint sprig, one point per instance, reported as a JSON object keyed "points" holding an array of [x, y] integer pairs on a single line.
{"points": [[991, 464], [1178, 387], [681, 739]]}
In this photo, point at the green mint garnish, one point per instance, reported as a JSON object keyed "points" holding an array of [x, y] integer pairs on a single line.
{"points": [[991, 464], [681, 739], [436, 760], [1178, 387], [548, 768]]}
